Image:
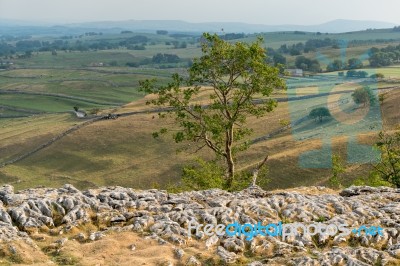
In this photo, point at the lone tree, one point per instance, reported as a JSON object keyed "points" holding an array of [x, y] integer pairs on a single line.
{"points": [[234, 74], [364, 96], [319, 113]]}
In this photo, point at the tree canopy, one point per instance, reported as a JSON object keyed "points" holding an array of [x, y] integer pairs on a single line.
{"points": [[319, 113], [364, 96]]}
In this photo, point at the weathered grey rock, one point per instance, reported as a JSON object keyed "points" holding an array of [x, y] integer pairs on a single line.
{"points": [[226, 256], [61, 242], [179, 253], [167, 217], [192, 261], [6, 190], [96, 236], [212, 241]]}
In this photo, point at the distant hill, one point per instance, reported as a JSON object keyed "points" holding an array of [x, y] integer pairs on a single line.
{"points": [[335, 26]]}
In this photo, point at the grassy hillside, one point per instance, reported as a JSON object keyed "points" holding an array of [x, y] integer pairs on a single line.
{"points": [[43, 89], [123, 152]]}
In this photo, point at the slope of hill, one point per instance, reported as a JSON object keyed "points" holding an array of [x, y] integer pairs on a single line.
{"points": [[123, 152]]}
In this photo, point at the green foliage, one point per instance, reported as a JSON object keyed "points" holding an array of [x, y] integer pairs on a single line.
{"points": [[279, 59], [382, 97], [388, 169], [337, 169], [165, 58], [210, 174], [354, 63], [356, 74], [321, 219], [377, 76], [203, 175], [307, 64], [364, 96], [335, 66], [237, 74], [284, 122], [162, 32], [94, 111], [372, 180], [385, 56], [244, 179], [319, 113]]}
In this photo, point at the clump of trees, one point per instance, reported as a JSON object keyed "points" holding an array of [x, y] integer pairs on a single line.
{"points": [[356, 74], [236, 73], [307, 64], [162, 32], [385, 56], [319, 113], [337, 65], [232, 36], [165, 58], [364, 96], [310, 45], [377, 76], [396, 28]]}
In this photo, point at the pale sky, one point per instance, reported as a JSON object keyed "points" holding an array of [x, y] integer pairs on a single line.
{"points": [[270, 12]]}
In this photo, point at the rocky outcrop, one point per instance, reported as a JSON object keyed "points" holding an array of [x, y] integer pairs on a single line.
{"points": [[165, 217]]}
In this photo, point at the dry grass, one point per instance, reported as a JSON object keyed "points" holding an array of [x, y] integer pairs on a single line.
{"points": [[123, 152]]}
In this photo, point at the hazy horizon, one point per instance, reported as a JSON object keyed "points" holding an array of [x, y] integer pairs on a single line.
{"points": [[272, 12]]}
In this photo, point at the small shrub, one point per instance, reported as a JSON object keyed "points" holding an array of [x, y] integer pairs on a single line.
{"points": [[203, 175], [337, 170], [94, 111], [372, 180]]}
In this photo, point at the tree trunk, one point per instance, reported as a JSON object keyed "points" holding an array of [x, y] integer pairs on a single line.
{"points": [[257, 169], [229, 157], [231, 170]]}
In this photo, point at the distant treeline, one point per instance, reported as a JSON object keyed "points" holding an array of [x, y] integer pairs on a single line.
{"points": [[10, 46], [162, 60]]}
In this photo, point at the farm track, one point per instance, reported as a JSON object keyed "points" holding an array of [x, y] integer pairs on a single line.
{"points": [[115, 115]]}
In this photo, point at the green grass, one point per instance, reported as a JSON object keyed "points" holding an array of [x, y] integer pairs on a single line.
{"points": [[44, 103], [102, 88], [389, 72]]}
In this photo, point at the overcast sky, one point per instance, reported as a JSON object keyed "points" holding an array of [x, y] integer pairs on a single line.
{"points": [[272, 12]]}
